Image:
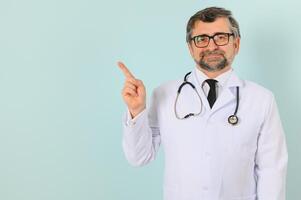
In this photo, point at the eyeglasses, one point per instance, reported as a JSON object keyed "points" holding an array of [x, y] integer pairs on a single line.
{"points": [[220, 39]]}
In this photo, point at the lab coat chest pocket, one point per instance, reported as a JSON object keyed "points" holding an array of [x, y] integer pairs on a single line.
{"points": [[242, 140]]}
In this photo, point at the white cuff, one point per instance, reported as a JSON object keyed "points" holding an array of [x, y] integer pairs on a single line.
{"points": [[129, 121]]}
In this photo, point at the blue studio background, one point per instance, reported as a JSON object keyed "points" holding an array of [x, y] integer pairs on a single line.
{"points": [[60, 102]]}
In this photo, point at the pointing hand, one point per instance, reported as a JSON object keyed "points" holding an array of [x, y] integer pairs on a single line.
{"points": [[133, 92]]}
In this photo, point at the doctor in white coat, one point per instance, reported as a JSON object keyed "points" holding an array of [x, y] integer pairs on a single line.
{"points": [[208, 156]]}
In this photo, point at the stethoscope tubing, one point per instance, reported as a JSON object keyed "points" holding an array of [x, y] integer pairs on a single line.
{"points": [[232, 119]]}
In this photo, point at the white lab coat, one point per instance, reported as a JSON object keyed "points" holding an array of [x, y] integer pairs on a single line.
{"points": [[206, 158]]}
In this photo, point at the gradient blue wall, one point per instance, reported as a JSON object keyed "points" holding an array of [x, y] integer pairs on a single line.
{"points": [[60, 103]]}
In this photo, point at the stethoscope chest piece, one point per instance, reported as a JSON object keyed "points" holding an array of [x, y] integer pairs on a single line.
{"points": [[233, 119]]}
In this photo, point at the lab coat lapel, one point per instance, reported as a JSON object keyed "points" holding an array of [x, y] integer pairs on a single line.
{"points": [[200, 90], [229, 92]]}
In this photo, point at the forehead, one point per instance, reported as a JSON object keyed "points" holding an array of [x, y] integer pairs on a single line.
{"points": [[221, 24]]}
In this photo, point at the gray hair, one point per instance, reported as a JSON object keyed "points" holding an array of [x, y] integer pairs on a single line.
{"points": [[210, 15]]}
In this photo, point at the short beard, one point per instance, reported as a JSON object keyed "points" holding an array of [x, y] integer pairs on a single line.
{"points": [[212, 68]]}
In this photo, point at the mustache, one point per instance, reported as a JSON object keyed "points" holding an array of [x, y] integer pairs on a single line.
{"points": [[215, 52]]}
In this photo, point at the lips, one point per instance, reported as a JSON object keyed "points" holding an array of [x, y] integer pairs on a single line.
{"points": [[213, 57]]}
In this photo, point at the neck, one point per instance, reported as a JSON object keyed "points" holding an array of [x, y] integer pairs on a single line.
{"points": [[214, 74]]}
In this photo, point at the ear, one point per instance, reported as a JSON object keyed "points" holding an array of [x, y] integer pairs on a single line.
{"points": [[236, 45], [190, 48]]}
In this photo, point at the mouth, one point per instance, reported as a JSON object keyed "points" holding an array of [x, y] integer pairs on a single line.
{"points": [[213, 57]]}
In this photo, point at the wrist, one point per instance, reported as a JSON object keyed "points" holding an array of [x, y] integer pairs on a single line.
{"points": [[135, 112]]}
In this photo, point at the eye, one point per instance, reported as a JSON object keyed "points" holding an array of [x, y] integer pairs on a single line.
{"points": [[201, 39], [221, 37]]}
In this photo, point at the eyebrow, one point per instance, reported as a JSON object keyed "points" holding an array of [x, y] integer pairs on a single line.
{"points": [[212, 34]]}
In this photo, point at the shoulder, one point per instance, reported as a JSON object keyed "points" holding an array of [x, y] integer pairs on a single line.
{"points": [[257, 100], [257, 97], [166, 92], [257, 90], [168, 87]]}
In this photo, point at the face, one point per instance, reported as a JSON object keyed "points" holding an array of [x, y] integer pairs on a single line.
{"points": [[214, 58]]}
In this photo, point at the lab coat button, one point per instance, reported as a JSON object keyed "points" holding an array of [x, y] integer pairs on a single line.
{"points": [[207, 154]]}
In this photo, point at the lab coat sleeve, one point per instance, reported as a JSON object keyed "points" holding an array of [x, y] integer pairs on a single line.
{"points": [[271, 157], [141, 136]]}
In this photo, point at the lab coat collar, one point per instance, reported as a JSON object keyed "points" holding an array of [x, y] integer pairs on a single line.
{"points": [[221, 79], [230, 80], [228, 94], [234, 81]]}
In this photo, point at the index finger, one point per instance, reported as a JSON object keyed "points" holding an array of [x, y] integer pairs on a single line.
{"points": [[125, 70]]}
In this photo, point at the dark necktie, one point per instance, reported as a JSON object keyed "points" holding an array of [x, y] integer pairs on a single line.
{"points": [[212, 92]]}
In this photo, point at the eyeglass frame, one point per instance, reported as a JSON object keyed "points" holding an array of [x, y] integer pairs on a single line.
{"points": [[212, 37]]}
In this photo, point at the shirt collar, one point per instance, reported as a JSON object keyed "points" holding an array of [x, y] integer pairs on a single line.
{"points": [[222, 79]]}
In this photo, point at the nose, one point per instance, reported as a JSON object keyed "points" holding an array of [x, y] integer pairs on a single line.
{"points": [[212, 46]]}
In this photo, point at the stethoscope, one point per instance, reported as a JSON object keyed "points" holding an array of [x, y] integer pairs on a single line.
{"points": [[232, 119]]}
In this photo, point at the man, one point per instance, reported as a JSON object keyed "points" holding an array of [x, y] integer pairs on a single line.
{"points": [[223, 140]]}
